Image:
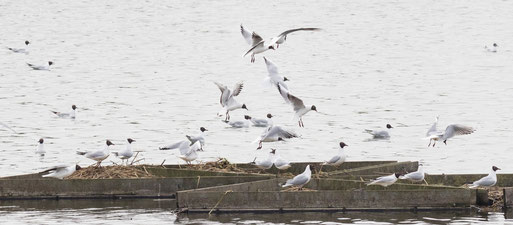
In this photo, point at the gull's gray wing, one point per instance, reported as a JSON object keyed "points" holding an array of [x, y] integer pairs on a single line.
{"points": [[285, 33], [300, 179], [432, 130], [255, 38], [96, 154], [277, 131], [261, 43], [334, 159], [272, 69], [456, 129], [237, 88], [296, 102], [173, 146], [225, 94]]}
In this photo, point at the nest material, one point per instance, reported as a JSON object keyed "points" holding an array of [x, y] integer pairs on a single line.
{"points": [[496, 198], [296, 189], [220, 165], [110, 172]]}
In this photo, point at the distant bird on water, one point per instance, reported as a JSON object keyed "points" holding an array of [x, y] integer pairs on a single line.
{"points": [[40, 150], [70, 115], [20, 50], [380, 134], [40, 67], [261, 122], [493, 48]]}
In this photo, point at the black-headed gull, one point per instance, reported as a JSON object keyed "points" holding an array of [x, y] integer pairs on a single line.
{"points": [[240, 124], [61, 171], [70, 115], [339, 158], [40, 150], [452, 130], [40, 67], [20, 50], [493, 48], [417, 176], [182, 146], [380, 134], [279, 162], [98, 155], [300, 180], [261, 122], [266, 163], [274, 133], [191, 153], [297, 104], [227, 99], [385, 181], [487, 181], [263, 46], [274, 78], [127, 153]]}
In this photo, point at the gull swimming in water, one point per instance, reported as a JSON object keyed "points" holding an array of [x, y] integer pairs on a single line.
{"points": [[380, 134], [297, 104], [227, 99], [487, 181], [274, 78], [98, 155], [339, 158], [40, 150], [300, 180], [70, 115], [61, 171], [266, 163], [240, 124], [40, 67], [261, 122], [20, 50], [452, 130], [259, 45], [127, 153], [493, 48], [274, 133], [385, 181], [416, 176]]}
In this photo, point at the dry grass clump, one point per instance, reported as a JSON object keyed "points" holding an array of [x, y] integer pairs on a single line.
{"points": [[495, 194], [296, 189], [220, 165], [110, 172]]}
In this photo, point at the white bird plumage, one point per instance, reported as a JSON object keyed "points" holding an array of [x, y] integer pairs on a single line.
{"points": [[40, 150], [61, 171], [40, 67], [380, 134], [273, 77], [268, 122], [416, 176], [98, 155], [487, 181], [452, 130], [297, 104], [189, 152], [274, 133], [71, 114], [384, 181], [20, 50], [127, 153], [339, 158], [227, 99], [300, 180]]}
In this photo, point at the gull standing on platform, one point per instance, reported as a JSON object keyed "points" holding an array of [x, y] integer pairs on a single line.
{"points": [[228, 101], [98, 155], [416, 176], [189, 153], [487, 181], [300, 180], [297, 104], [385, 181], [266, 163], [339, 158], [127, 153], [279, 162]]}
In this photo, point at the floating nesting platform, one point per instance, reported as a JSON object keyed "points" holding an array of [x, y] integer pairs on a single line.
{"points": [[224, 187]]}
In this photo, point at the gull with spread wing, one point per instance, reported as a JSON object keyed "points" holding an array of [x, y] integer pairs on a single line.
{"points": [[452, 130], [228, 101], [297, 104]]}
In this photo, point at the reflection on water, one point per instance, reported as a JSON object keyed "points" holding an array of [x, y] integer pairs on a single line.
{"points": [[162, 211]]}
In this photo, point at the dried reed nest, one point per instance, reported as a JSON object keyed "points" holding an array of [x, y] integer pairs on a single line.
{"points": [[110, 172], [296, 189], [220, 165], [496, 198]]}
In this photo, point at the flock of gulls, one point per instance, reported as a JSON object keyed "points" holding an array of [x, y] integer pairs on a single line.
{"points": [[189, 147]]}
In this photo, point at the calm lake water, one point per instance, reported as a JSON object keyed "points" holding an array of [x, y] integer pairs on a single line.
{"points": [[144, 69]]}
